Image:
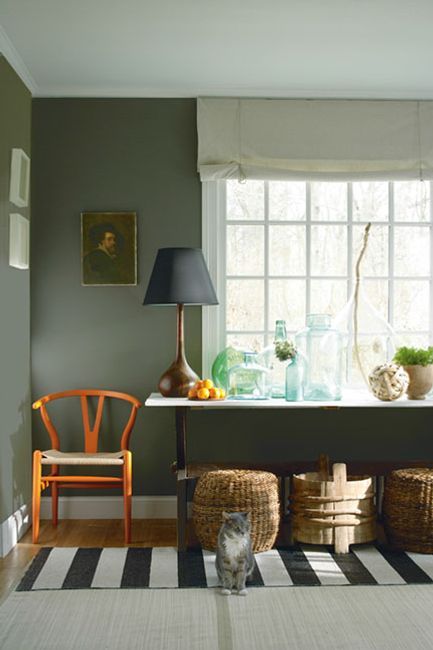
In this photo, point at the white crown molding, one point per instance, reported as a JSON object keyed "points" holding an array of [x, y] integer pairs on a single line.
{"points": [[15, 60], [143, 92]]}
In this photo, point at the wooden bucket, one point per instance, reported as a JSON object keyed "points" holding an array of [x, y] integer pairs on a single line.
{"points": [[337, 510]]}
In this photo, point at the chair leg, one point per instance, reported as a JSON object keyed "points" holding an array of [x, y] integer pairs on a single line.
{"points": [[36, 501], [127, 494], [54, 503], [55, 497]]}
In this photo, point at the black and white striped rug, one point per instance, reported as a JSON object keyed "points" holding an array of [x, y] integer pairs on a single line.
{"points": [[159, 568]]}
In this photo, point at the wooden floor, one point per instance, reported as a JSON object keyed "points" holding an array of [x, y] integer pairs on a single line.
{"points": [[99, 533], [82, 532]]}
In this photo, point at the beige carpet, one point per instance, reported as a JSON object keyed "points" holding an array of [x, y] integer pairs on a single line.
{"points": [[306, 618]]}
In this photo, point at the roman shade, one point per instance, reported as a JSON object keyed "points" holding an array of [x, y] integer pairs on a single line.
{"points": [[289, 139]]}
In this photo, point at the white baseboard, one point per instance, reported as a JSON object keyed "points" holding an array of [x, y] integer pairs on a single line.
{"points": [[13, 528], [143, 507]]}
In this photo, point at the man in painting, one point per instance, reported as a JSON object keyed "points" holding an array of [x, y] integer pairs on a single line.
{"points": [[100, 266]]}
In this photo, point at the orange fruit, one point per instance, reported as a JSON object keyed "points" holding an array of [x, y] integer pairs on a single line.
{"points": [[192, 393], [199, 384], [207, 383], [214, 393], [203, 393]]}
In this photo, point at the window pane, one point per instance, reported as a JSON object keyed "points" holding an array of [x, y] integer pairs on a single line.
{"points": [[411, 305], [329, 201], [245, 250], [412, 250], [328, 296], [375, 260], [245, 305], [329, 250], [412, 201], [373, 306], [287, 250], [373, 351], [246, 341], [370, 201], [287, 302], [245, 200], [287, 200], [413, 340]]}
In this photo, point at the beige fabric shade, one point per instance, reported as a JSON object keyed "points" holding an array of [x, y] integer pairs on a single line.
{"points": [[290, 139]]}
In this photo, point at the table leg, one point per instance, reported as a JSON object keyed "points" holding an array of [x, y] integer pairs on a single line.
{"points": [[181, 478]]}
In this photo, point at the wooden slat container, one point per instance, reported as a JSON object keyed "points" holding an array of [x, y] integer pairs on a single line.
{"points": [[337, 510]]}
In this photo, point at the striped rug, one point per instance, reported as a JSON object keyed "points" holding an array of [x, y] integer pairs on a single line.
{"points": [[162, 568]]}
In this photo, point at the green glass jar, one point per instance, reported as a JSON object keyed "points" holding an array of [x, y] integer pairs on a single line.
{"points": [[225, 360], [249, 380]]}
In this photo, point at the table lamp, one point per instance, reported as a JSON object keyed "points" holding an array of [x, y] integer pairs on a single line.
{"points": [[179, 277]]}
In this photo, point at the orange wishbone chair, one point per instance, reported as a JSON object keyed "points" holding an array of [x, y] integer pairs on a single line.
{"points": [[90, 456]]}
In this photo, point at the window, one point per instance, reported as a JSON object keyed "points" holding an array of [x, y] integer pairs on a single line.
{"points": [[285, 249]]}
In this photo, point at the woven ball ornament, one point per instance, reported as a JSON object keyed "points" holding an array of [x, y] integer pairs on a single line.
{"points": [[388, 381]]}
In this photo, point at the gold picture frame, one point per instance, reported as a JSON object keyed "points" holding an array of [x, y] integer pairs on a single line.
{"points": [[108, 249]]}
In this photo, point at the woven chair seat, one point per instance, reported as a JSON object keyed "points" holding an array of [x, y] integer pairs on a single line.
{"points": [[56, 457], [408, 509], [237, 491]]}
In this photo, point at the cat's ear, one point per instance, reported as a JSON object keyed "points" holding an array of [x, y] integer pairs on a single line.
{"points": [[225, 515], [246, 515]]}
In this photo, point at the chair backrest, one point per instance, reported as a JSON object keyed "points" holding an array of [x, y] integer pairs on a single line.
{"points": [[90, 434]]}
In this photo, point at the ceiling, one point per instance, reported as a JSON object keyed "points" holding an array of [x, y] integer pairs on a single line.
{"points": [[185, 48]]}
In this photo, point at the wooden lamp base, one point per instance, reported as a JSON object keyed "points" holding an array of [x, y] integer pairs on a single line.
{"points": [[179, 377]]}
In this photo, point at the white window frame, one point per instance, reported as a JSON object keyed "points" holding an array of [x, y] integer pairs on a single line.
{"points": [[214, 249]]}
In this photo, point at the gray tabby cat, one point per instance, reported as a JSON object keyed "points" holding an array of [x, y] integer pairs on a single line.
{"points": [[234, 557]]}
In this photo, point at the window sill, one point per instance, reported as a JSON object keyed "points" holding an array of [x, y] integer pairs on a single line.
{"points": [[351, 399]]}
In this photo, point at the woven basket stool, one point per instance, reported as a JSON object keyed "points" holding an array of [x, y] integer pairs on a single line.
{"points": [[408, 509], [237, 491]]}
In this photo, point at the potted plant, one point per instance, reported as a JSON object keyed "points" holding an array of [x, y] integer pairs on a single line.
{"points": [[418, 363]]}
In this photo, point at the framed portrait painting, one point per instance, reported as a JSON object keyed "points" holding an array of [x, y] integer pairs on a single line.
{"points": [[108, 249]]}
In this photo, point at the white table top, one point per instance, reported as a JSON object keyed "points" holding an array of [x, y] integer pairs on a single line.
{"points": [[351, 399]]}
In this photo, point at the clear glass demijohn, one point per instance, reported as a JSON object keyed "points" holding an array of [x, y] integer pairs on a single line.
{"points": [[371, 341], [322, 347], [249, 380]]}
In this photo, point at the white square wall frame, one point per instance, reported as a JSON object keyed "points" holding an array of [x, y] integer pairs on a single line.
{"points": [[20, 178], [19, 241]]}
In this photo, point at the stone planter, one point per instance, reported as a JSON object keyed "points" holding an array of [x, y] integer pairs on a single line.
{"points": [[420, 381]]}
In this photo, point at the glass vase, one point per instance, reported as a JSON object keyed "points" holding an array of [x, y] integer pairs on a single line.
{"points": [[225, 360], [376, 343], [294, 372], [249, 380], [322, 347], [269, 359]]}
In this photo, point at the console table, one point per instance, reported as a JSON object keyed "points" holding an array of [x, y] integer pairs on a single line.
{"points": [[190, 471]]}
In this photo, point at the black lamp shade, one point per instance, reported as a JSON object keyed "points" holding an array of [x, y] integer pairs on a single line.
{"points": [[180, 276]]}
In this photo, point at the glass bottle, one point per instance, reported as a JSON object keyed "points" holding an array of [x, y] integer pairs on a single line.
{"points": [[249, 380], [294, 372], [322, 346], [269, 359]]}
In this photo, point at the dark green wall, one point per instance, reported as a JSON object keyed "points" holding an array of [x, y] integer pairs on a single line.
{"points": [[111, 155], [141, 155], [15, 431]]}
